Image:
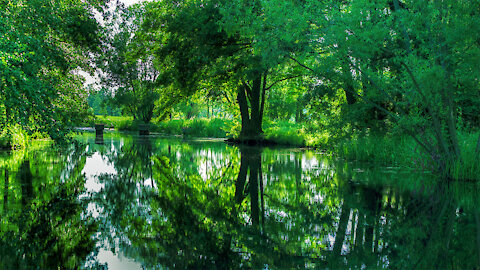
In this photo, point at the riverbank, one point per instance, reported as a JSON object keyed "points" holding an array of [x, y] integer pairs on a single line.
{"points": [[280, 133], [381, 149]]}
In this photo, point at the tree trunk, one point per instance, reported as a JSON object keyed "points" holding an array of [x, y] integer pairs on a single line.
{"points": [[349, 90], [251, 100], [298, 112], [262, 103], [243, 104], [348, 85], [255, 128]]}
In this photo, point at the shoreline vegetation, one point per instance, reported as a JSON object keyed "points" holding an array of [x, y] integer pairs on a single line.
{"points": [[379, 149]]}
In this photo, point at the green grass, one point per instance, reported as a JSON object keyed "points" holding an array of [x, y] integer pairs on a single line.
{"points": [[468, 167], [390, 151], [403, 151], [286, 135], [172, 127], [296, 134], [196, 127], [213, 127], [117, 122]]}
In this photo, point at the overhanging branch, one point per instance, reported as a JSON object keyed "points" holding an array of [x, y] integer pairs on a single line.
{"points": [[281, 80]]}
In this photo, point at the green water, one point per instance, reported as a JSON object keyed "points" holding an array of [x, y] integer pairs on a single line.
{"points": [[126, 202]]}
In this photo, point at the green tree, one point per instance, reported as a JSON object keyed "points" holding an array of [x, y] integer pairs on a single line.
{"points": [[199, 44], [42, 44], [411, 62], [128, 69]]}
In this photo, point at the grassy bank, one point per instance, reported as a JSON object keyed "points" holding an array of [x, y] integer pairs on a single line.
{"points": [[116, 122], [16, 137], [403, 151], [212, 127], [196, 127], [383, 150], [394, 150], [283, 132]]}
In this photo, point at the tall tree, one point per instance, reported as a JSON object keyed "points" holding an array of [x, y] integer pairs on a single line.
{"points": [[128, 69], [413, 59], [211, 41]]}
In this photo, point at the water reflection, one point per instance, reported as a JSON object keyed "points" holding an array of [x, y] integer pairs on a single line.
{"points": [[149, 203], [42, 223]]}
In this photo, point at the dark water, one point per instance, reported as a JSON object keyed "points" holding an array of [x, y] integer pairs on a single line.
{"points": [[132, 203]]}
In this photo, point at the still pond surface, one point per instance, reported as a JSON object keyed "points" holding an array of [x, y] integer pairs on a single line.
{"points": [[127, 202]]}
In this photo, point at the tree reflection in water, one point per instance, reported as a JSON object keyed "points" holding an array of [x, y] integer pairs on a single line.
{"points": [[268, 209], [42, 224], [208, 205]]}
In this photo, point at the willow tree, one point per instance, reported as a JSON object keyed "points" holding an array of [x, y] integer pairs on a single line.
{"points": [[418, 57]]}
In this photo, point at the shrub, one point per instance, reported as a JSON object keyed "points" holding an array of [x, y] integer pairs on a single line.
{"points": [[286, 135], [16, 137], [5, 139]]}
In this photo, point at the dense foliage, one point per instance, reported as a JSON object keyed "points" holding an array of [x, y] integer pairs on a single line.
{"points": [[367, 67], [42, 46]]}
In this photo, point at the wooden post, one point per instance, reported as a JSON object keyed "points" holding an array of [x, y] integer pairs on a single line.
{"points": [[99, 129], [99, 133]]}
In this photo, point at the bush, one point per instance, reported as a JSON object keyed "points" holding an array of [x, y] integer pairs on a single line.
{"points": [[5, 139], [14, 137]]}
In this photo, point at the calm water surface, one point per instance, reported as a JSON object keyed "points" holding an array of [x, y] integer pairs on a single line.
{"points": [[127, 202]]}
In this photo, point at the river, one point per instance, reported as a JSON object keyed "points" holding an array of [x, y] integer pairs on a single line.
{"points": [[130, 202]]}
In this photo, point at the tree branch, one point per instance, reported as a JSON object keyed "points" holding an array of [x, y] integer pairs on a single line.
{"points": [[281, 80], [300, 64], [248, 89]]}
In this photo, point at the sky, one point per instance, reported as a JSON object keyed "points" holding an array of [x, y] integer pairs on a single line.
{"points": [[89, 79]]}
